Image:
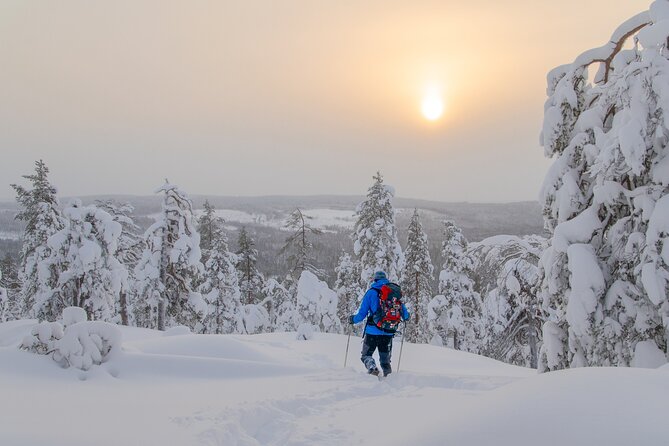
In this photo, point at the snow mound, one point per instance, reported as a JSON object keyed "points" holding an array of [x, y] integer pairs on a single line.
{"points": [[305, 332], [80, 344], [12, 333], [202, 346], [648, 355], [72, 315], [43, 337], [179, 330], [586, 406], [85, 344], [317, 304]]}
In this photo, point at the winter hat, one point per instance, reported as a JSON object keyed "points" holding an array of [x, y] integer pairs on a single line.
{"points": [[379, 275]]}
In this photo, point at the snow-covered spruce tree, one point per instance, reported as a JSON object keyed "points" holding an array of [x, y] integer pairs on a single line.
{"points": [[512, 314], [91, 277], [455, 315], [250, 279], [220, 288], [491, 254], [442, 317], [221, 292], [317, 304], [416, 277], [347, 287], [210, 227], [10, 282], [255, 319], [505, 274], [39, 211], [299, 247], [375, 236], [280, 306], [128, 251], [605, 273], [169, 264], [4, 302]]}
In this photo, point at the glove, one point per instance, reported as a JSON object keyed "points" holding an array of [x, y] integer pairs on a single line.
{"points": [[350, 320]]}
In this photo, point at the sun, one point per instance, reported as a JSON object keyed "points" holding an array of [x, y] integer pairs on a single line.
{"points": [[432, 105]]}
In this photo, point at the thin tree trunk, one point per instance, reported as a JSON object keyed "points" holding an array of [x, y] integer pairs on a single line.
{"points": [[161, 314], [304, 246], [531, 338], [218, 315], [123, 303], [248, 280]]}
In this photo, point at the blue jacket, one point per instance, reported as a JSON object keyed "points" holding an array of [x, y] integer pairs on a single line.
{"points": [[369, 305]]}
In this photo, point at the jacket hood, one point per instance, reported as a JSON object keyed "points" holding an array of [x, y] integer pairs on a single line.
{"points": [[379, 283]]}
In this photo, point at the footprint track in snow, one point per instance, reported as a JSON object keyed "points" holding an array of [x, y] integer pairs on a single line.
{"points": [[275, 421]]}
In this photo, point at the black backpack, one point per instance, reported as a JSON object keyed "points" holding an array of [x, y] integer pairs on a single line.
{"points": [[389, 314]]}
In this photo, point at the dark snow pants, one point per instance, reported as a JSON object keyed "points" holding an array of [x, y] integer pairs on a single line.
{"points": [[385, 345]]}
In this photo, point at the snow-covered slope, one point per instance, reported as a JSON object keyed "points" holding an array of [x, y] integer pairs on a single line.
{"points": [[318, 218], [274, 390]]}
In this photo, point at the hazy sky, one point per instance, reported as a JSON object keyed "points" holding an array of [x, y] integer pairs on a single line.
{"points": [[253, 97]]}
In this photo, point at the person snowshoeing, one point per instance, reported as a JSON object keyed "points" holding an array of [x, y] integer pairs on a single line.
{"points": [[376, 337]]}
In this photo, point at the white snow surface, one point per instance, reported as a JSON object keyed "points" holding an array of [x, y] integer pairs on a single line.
{"points": [[320, 218], [8, 235], [272, 389]]}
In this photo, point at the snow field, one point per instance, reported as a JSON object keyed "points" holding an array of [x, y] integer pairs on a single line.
{"points": [[272, 389], [321, 218]]}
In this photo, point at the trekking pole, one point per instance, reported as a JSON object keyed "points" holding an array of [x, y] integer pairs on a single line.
{"points": [[399, 360], [348, 341]]}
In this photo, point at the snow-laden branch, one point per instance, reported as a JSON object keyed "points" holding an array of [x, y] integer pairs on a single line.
{"points": [[606, 53]]}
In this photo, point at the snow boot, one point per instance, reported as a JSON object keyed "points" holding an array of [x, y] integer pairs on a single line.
{"points": [[387, 370], [374, 371]]}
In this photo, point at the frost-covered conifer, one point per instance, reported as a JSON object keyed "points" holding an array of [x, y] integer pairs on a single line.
{"points": [[4, 302], [128, 251], [169, 264], [605, 277], [210, 227], [317, 304], [221, 292], [347, 287], [443, 319], [9, 280], [220, 288], [90, 275], [455, 315], [491, 254], [415, 282], [375, 235], [39, 211], [512, 315], [299, 246], [507, 277], [280, 306], [250, 279], [255, 319]]}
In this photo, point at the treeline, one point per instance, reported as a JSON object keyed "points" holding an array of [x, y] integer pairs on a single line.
{"points": [[182, 271]]}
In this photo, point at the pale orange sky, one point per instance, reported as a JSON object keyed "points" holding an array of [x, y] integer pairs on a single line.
{"points": [[286, 97]]}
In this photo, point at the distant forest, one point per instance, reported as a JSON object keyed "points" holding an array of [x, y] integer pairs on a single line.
{"points": [[477, 220]]}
